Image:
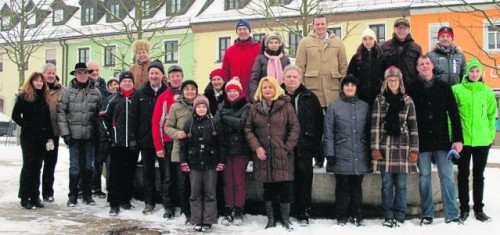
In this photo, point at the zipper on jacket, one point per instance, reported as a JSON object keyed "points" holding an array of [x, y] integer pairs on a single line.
{"points": [[126, 121]]}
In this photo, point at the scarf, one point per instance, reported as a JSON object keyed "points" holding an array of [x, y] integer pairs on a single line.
{"points": [[391, 120], [446, 50], [427, 84], [274, 68], [127, 93]]}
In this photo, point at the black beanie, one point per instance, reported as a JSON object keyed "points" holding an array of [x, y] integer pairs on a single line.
{"points": [[188, 82], [126, 75], [349, 79], [157, 64]]}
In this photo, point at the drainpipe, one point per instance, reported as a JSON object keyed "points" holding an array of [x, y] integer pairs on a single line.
{"points": [[64, 75]]}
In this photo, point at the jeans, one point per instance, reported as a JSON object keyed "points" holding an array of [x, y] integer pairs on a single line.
{"points": [[49, 166], [394, 195], [81, 163], [448, 194], [479, 160]]}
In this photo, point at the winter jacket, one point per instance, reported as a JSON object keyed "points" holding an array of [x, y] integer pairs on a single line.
{"points": [[259, 71], [200, 150], [403, 55], [310, 115], [278, 133], [146, 98], [238, 62], [449, 67], [346, 141], [160, 114], [78, 109], [180, 112], [120, 121], [323, 65], [434, 105], [367, 66], [477, 106], [54, 94], [141, 73], [101, 85], [33, 118], [232, 117], [212, 100], [395, 149]]}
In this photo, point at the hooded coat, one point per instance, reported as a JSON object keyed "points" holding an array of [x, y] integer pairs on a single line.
{"points": [[448, 66]]}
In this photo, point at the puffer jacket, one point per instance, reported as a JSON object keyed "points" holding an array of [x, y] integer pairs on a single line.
{"points": [[346, 139], [33, 117], [478, 108], [141, 73], [278, 133], [259, 71], [232, 117], [403, 55], [53, 97], [323, 65], [77, 111], [119, 120], [199, 149], [180, 112], [449, 67]]}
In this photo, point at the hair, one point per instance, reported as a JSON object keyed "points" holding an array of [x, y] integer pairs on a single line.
{"points": [[274, 83], [376, 48], [424, 56], [390, 72], [319, 17], [141, 45], [28, 90], [292, 67], [92, 62], [48, 66]]}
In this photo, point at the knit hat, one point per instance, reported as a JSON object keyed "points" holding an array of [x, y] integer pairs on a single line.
{"points": [[175, 68], [234, 83], [217, 72], [349, 79], [112, 80], [157, 64], [201, 99], [446, 30], [126, 75], [274, 35], [368, 33], [139, 45], [189, 82], [401, 21], [473, 63], [243, 22]]}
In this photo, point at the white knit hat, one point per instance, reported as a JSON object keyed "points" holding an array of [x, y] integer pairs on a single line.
{"points": [[368, 32]]}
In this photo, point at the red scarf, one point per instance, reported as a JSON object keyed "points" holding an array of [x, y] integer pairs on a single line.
{"points": [[127, 93]]}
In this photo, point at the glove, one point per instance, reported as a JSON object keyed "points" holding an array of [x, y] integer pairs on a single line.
{"points": [[330, 163], [184, 167], [50, 145], [413, 157], [68, 140], [220, 167], [453, 156], [376, 155]]}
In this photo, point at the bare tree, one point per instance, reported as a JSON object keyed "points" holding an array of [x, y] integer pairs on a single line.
{"points": [[23, 24]]}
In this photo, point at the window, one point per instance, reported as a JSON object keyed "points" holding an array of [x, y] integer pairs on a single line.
{"points": [[5, 23], [50, 56], [259, 36], [175, 6], [379, 30], [31, 20], [109, 56], [171, 52], [145, 7], [88, 15], [493, 38], [1, 62], [278, 2], [233, 4], [115, 11], [433, 32], [58, 16], [337, 31], [293, 43], [83, 54], [223, 45]]}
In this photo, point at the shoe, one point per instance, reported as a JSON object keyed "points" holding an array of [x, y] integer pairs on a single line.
{"points": [[228, 216], [303, 219], [80, 194], [126, 206], [26, 204], [319, 163], [48, 199], [148, 209], [72, 201], [38, 203], [388, 223], [198, 227], [206, 228], [188, 220], [481, 216], [169, 213], [455, 220], [464, 215], [356, 221], [400, 221], [238, 216], [426, 221], [88, 201], [114, 211], [341, 222], [99, 194]]}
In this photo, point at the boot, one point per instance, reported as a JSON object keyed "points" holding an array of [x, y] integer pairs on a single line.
{"points": [[270, 215], [285, 215], [228, 216], [238, 216]]}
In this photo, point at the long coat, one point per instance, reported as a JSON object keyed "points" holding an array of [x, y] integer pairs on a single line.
{"points": [[323, 65], [394, 149], [346, 138], [180, 113], [278, 133], [53, 98], [34, 119]]}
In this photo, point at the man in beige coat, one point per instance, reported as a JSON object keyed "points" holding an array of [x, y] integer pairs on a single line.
{"points": [[322, 57]]}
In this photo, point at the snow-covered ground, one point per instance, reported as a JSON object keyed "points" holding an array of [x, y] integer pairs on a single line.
{"points": [[56, 218]]}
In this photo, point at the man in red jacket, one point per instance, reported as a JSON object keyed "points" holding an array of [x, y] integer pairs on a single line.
{"points": [[240, 57]]}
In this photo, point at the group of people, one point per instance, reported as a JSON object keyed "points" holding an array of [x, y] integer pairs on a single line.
{"points": [[390, 110]]}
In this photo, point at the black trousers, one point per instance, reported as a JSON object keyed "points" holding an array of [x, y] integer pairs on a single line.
{"points": [[479, 157], [149, 174], [123, 163], [302, 185], [277, 190], [349, 196], [49, 166], [29, 183]]}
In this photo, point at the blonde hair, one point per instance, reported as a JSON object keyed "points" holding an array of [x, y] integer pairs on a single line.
{"points": [[28, 90], [278, 91], [390, 72], [139, 45]]}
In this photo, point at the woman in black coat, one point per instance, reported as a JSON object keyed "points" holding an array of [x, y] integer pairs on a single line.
{"points": [[31, 112]]}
